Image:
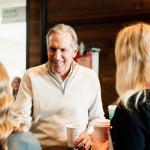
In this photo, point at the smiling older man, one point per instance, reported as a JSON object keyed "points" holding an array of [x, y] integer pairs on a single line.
{"points": [[58, 93]]}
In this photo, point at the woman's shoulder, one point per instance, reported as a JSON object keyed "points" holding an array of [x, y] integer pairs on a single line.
{"points": [[138, 107], [140, 100], [23, 141]]}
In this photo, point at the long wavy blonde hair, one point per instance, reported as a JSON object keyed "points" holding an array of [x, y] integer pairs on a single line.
{"points": [[5, 106], [132, 51]]}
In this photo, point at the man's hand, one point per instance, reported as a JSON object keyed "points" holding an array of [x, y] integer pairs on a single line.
{"points": [[83, 142]]}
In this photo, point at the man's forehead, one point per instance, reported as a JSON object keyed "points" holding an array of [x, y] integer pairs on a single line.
{"points": [[60, 35], [63, 40]]}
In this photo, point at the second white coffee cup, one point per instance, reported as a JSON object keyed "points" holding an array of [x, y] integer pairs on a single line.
{"points": [[73, 131]]}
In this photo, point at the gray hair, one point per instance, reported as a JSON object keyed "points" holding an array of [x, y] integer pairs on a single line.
{"points": [[63, 28]]}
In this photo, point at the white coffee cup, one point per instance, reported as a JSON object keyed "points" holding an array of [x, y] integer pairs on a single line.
{"points": [[73, 131], [102, 129], [111, 110]]}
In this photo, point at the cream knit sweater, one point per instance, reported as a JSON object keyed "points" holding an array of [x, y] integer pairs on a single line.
{"points": [[46, 105]]}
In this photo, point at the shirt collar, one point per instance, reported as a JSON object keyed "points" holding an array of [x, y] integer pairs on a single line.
{"points": [[57, 76]]}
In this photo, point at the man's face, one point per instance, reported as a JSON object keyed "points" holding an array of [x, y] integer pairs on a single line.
{"points": [[60, 53]]}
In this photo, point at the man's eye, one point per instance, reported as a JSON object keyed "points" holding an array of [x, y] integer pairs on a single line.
{"points": [[64, 50], [52, 49]]}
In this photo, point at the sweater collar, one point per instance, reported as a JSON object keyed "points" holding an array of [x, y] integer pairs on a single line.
{"points": [[57, 76]]}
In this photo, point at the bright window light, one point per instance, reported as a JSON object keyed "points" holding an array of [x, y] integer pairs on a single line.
{"points": [[13, 47]]}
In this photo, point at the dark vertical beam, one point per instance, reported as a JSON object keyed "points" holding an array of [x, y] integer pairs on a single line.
{"points": [[27, 32], [43, 30]]}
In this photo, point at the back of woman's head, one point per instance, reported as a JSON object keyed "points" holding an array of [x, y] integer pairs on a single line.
{"points": [[5, 105], [132, 52]]}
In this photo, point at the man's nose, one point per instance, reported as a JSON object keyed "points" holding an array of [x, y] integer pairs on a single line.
{"points": [[57, 54]]}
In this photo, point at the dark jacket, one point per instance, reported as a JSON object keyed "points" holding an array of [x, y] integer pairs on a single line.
{"points": [[131, 128]]}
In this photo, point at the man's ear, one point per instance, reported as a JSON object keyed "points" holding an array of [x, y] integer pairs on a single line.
{"points": [[74, 53]]}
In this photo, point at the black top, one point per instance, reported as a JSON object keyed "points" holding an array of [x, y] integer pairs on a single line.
{"points": [[131, 128]]}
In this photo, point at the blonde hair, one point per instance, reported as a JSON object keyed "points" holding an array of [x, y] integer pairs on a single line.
{"points": [[132, 51], [59, 28], [5, 106]]}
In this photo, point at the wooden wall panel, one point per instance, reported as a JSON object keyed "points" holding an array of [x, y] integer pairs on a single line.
{"points": [[34, 33], [77, 11]]}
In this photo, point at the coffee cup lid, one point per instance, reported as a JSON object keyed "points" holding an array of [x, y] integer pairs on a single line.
{"points": [[102, 122], [73, 125]]}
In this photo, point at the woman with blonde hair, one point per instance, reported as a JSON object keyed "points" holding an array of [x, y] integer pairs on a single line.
{"points": [[131, 122], [9, 140], [5, 106]]}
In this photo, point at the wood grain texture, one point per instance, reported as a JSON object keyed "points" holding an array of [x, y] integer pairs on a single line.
{"points": [[34, 33]]}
